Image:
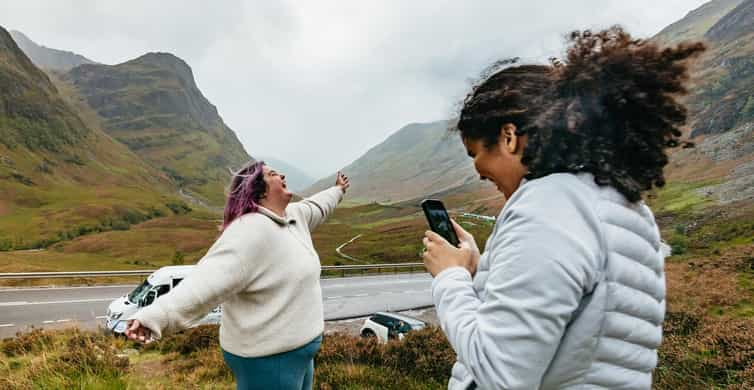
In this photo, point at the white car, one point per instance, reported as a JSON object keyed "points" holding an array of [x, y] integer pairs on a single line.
{"points": [[157, 284], [386, 326]]}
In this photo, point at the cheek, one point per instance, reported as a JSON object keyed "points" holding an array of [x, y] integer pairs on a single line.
{"points": [[482, 166]]}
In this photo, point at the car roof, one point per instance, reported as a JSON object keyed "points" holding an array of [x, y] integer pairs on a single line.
{"points": [[165, 273], [401, 317]]}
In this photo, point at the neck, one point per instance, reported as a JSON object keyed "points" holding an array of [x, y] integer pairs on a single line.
{"points": [[276, 207]]}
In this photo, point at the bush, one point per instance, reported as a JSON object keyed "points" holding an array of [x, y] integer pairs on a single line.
{"points": [[88, 360], [424, 355], [191, 340], [178, 208], [717, 353], [679, 244], [25, 343]]}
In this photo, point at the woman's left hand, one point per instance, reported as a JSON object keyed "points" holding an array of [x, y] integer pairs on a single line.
{"points": [[440, 254]]}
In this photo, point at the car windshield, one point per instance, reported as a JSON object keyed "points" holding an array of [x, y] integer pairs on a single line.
{"points": [[139, 292]]}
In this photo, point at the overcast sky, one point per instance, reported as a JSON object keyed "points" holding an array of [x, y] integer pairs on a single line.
{"points": [[318, 83]]}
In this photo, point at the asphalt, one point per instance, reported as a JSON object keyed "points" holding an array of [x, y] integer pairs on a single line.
{"points": [[85, 307]]}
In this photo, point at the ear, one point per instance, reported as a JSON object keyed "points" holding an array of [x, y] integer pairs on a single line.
{"points": [[508, 138]]}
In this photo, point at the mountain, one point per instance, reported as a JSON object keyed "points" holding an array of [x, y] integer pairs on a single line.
{"points": [[723, 99], [60, 175], [423, 160], [720, 169], [696, 23], [46, 58], [417, 160], [295, 178], [153, 105]]}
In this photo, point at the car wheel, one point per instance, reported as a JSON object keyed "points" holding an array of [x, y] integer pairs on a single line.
{"points": [[367, 333]]}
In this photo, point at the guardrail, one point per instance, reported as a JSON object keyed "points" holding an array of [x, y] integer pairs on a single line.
{"points": [[326, 269]]}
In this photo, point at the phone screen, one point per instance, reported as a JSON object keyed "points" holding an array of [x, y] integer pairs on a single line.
{"points": [[438, 220]]}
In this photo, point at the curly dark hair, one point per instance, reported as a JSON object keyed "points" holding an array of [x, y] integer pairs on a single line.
{"points": [[611, 109]]}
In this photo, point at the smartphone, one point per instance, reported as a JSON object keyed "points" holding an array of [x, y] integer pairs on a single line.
{"points": [[438, 220]]}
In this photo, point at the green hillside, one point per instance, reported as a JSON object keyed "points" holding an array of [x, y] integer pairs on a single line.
{"points": [[152, 105], [59, 177], [417, 160]]}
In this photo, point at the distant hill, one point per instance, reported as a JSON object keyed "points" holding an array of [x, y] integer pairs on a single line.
{"points": [[696, 23], [297, 180], [721, 105], [417, 160], [61, 177], [153, 105], [422, 160], [46, 58]]}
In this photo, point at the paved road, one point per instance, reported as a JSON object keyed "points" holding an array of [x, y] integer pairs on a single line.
{"points": [[85, 306]]}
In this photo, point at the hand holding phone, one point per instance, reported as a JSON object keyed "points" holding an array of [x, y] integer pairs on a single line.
{"points": [[439, 221]]}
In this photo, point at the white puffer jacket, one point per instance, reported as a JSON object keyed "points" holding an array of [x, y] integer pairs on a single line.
{"points": [[569, 293]]}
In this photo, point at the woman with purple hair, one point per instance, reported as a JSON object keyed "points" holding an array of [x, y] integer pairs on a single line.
{"points": [[265, 272]]}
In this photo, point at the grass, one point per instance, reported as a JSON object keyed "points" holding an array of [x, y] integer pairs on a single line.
{"points": [[390, 234], [708, 333], [192, 359], [148, 245], [680, 197]]}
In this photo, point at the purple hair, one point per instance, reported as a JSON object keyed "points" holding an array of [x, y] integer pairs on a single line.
{"points": [[246, 189]]}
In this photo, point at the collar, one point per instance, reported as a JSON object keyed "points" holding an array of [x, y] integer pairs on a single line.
{"points": [[282, 221]]}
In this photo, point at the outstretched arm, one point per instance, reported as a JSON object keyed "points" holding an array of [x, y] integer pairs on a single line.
{"points": [[222, 272], [315, 209]]}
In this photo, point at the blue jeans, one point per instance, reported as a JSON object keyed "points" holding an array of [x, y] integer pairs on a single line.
{"points": [[292, 370]]}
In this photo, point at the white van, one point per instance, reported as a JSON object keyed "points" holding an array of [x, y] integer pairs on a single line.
{"points": [[157, 284]]}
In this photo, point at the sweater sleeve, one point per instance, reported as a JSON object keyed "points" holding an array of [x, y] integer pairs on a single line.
{"points": [[221, 273], [315, 209], [542, 260]]}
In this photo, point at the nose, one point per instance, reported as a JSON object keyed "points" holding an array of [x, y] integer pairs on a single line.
{"points": [[282, 176]]}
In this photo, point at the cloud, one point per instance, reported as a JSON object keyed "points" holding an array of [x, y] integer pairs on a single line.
{"points": [[317, 83]]}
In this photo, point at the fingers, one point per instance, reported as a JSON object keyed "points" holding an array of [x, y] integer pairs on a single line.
{"points": [[342, 180], [131, 329], [135, 331], [460, 231], [434, 237]]}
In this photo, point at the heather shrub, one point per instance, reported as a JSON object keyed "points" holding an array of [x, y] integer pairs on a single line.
{"points": [[87, 360], [422, 360], [340, 348], [191, 340], [30, 342], [423, 354]]}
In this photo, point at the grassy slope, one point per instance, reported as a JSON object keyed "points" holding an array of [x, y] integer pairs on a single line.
{"points": [[152, 105], [418, 159], [60, 176], [694, 25]]}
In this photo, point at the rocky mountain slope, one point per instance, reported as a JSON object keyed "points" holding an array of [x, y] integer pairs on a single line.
{"points": [[153, 105], [47, 58]]}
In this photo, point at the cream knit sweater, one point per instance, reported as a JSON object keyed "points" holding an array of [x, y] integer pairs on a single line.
{"points": [[265, 272]]}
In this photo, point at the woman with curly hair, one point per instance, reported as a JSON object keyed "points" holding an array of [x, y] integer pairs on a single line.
{"points": [[570, 290]]}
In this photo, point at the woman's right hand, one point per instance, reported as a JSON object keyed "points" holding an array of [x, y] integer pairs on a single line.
{"points": [[466, 240], [138, 332]]}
